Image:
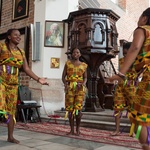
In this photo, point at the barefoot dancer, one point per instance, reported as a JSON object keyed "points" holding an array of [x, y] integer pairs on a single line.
{"points": [[139, 56], [11, 59], [74, 78], [121, 99]]}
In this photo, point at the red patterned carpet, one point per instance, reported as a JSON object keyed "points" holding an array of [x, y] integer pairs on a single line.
{"points": [[94, 135]]}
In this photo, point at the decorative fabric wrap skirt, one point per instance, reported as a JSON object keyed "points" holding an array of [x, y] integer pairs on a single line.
{"points": [[140, 105], [124, 92], [74, 97], [8, 90]]}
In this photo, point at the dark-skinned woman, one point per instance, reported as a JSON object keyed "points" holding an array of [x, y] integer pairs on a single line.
{"points": [[139, 55], [12, 58]]}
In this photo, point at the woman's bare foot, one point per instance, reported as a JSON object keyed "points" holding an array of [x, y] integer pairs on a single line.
{"points": [[133, 135], [78, 133], [116, 133], [70, 133], [13, 140]]}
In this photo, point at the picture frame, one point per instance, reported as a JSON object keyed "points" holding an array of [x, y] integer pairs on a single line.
{"points": [[0, 11], [55, 62], [54, 34], [20, 9]]}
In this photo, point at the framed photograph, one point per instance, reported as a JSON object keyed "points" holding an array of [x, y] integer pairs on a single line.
{"points": [[54, 34], [20, 9], [55, 62], [0, 10]]}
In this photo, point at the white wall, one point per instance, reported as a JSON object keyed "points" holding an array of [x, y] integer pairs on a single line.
{"points": [[54, 10], [53, 95]]}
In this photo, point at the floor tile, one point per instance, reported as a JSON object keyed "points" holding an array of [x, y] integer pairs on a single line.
{"points": [[76, 143], [110, 147], [39, 141]]}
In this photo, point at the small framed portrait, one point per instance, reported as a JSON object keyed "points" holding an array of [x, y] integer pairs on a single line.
{"points": [[20, 9], [54, 34], [55, 62]]}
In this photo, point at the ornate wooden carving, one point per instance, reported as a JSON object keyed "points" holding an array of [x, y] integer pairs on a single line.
{"points": [[94, 32]]}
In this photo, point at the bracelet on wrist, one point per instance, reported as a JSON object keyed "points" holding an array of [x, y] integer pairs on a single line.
{"points": [[121, 76], [66, 83], [84, 85], [38, 79]]}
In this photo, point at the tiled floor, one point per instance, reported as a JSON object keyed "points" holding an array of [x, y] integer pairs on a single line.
{"points": [[40, 141]]}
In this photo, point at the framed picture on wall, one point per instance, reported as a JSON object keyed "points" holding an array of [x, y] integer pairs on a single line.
{"points": [[55, 62], [20, 9], [0, 10], [54, 34]]}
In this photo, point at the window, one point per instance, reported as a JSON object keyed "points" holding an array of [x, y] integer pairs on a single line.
{"points": [[120, 3], [89, 4]]}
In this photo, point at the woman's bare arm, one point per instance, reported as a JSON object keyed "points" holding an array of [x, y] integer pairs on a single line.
{"points": [[137, 43], [64, 74], [28, 71], [85, 77], [0, 49]]}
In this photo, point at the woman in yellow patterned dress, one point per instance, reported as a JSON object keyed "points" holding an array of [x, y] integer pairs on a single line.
{"points": [[139, 55], [74, 78], [11, 60], [122, 91]]}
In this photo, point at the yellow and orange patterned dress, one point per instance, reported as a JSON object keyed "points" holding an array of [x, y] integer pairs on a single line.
{"points": [[140, 107], [10, 62], [76, 91], [125, 90]]}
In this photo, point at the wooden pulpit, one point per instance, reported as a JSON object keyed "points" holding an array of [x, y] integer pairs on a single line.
{"points": [[94, 32]]}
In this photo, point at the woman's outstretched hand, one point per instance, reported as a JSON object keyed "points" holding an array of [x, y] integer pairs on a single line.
{"points": [[114, 78], [43, 81]]}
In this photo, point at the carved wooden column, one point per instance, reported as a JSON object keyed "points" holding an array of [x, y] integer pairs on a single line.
{"points": [[94, 32]]}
